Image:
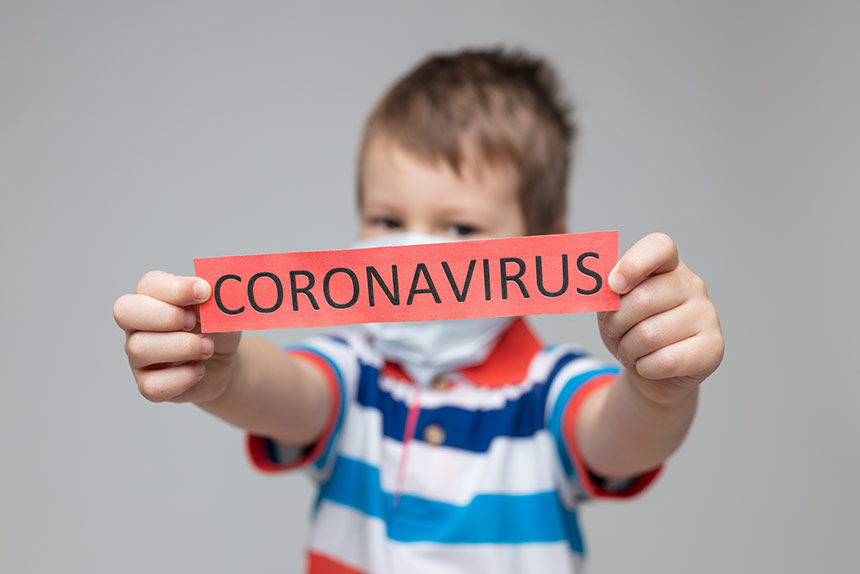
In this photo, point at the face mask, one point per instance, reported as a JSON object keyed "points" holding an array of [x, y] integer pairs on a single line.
{"points": [[425, 349]]}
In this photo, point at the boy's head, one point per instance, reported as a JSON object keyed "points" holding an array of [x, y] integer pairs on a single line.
{"points": [[472, 145]]}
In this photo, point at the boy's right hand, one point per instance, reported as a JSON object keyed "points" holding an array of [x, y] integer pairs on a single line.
{"points": [[170, 359]]}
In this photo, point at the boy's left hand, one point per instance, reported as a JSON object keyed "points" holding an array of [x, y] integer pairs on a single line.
{"points": [[666, 333]]}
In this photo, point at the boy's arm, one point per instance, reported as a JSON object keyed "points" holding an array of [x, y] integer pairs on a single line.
{"points": [[274, 395], [667, 336], [251, 383]]}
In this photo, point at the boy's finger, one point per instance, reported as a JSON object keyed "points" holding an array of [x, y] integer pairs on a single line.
{"points": [[654, 253], [158, 385], [144, 348], [225, 343], [659, 331], [174, 289], [695, 357], [656, 294], [145, 313]]}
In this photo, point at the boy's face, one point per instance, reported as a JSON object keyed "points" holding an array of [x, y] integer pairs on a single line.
{"points": [[404, 194]]}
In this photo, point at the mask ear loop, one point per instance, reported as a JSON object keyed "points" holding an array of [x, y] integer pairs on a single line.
{"points": [[408, 435]]}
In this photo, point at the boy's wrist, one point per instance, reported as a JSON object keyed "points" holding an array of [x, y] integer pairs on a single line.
{"points": [[230, 369], [658, 394]]}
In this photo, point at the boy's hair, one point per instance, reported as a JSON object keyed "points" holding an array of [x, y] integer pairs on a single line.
{"points": [[502, 106]]}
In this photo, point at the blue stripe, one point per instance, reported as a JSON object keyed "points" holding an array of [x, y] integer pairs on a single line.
{"points": [[338, 339], [471, 430], [488, 518], [272, 451], [320, 462], [556, 416]]}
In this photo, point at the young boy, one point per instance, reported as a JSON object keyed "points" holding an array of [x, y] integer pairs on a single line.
{"points": [[452, 446]]}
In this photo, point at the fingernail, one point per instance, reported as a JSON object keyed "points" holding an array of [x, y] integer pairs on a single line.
{"points": [[208, 346], [190, 319], [200, 290], [199, 369], [617, 282], [620, 360]]}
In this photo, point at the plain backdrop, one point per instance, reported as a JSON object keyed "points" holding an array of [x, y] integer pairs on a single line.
{"points": [[139, 135]]}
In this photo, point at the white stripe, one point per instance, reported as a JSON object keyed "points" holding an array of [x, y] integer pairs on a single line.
{"points": [[512, 465], [569, 490], [350, 536], [361, 436], [569, 371], [360, 541], [342, 356], [430, 558], [360, 345]]}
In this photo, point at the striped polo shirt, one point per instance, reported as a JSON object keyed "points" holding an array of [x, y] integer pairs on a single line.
{"points": [[478, 472]]}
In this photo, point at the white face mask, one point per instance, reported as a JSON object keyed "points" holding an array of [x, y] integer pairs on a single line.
{"points": [[425, 349]]}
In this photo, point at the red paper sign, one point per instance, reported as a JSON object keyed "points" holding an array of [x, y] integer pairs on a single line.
{"points": [[489, 278]]}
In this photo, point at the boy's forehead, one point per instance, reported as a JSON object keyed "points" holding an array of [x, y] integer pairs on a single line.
{"points": [[387, 160]]}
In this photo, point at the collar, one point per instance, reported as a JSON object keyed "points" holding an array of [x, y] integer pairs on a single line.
{"points": [[507, 364]]}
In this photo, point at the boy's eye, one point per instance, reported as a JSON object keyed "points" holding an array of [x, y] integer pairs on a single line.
{"points": [[386, 223], [460, 230]]}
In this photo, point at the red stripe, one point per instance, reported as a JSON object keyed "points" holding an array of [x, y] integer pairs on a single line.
{"points": [[394, 371], [322, 564], [256, 445], [568, 432]]}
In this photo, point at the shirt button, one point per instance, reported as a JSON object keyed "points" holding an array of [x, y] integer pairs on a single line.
{"points": [[434, 434], [439, 383]]}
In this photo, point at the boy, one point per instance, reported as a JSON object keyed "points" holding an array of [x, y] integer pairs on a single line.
{"points": [[454, 446]]}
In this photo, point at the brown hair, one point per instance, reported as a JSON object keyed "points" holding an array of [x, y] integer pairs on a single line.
{"points": [[504, 105]]}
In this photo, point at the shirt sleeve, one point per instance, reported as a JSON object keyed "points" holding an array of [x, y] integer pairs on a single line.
{"points": [[573, 379], [335, 358]]}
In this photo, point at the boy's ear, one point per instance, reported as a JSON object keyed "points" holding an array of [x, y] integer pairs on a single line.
{"points": [[558, 227]]}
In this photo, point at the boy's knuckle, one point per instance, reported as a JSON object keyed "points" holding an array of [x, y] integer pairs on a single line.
{"points": [[178, 290], [668, 361], [146, 281], [173, 317], [665, 241], [650, 332], [712, 318], [135, 345], [149, 388], [642, 298], [189, 346], [697, 284], [121, 308], [717, 349]]}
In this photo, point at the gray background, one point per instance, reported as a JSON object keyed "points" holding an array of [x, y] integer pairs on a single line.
{"points": [[141, 135]]}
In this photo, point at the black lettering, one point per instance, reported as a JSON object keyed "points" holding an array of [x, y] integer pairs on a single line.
{"points": [[393, 294], [598, 281], [539, 277], [487, 292], [253, 301], [306, 290], [217, 294], [421, 269], [327, 289], [460, 295], [503, 272]]}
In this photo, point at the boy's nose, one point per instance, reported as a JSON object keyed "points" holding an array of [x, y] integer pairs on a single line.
{"points": [[421, 228]]}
